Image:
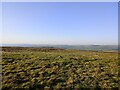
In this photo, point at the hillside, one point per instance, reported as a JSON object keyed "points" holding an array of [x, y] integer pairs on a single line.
{"points": [[38, 68]]}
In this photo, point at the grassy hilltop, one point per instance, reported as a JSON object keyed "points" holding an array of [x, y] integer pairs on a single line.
{"points": [[38, 68]]}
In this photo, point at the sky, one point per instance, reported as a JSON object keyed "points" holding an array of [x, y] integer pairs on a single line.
{"points": [[82, 23]]}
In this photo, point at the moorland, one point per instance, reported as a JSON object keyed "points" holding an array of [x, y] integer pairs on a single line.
{"points": [[55, 68]]}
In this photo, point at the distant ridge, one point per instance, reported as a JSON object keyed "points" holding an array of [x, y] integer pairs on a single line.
{"points": [[77, 47]]}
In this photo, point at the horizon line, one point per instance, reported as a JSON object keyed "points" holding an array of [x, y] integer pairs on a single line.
{"points": [[50, 44]]}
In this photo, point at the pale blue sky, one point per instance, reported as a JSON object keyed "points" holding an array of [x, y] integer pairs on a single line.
{"points": [[60, 23]]}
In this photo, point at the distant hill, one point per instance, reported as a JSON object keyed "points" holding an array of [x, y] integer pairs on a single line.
{"points": [[77, 47], [89, 47]]}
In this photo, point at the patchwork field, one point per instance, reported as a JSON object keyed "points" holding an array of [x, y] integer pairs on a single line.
{"points": [[50, 68]]}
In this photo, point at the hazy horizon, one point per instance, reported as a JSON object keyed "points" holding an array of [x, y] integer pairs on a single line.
{"points": [[53, 44], [60, 23]]}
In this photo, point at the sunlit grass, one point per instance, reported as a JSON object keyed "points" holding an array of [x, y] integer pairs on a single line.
{"points": [[34, 68]]}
